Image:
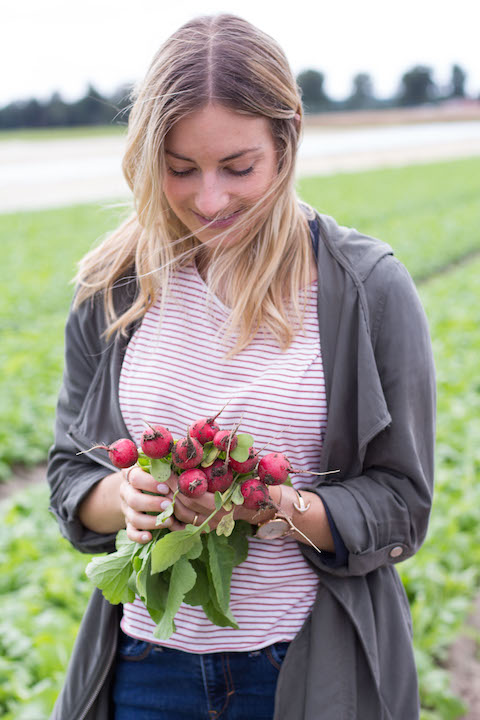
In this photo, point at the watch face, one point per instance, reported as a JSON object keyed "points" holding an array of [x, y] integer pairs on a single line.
{"points": [[273, 529]]}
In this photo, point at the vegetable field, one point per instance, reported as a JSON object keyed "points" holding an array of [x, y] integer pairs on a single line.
{"points": [[431, 216]]}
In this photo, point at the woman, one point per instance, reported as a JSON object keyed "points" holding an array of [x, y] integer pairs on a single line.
{"points": [[223, 287]]}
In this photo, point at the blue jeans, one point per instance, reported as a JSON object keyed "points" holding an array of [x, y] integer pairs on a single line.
{"points": [[157, 683]]}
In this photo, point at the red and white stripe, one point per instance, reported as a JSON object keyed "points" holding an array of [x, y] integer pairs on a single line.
{"points": [[177, 373]]}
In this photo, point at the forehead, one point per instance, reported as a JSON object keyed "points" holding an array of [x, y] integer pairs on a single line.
{"points": [[220, 132]]}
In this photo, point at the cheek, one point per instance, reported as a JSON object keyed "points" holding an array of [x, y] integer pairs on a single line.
{"points": [[174, 193]]}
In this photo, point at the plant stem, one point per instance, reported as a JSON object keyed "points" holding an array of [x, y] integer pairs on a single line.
{"points": [[226, 496]]}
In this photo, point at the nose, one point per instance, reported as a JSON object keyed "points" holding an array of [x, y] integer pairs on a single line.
{"points": [[212, 198]]}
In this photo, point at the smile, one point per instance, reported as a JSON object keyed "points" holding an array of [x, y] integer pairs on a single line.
{"points": [[218, 222]]}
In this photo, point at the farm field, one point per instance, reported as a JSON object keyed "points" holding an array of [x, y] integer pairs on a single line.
{"points": [[430, 215]]}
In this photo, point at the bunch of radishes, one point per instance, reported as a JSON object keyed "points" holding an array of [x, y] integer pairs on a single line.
{"points": [[209, 459]]}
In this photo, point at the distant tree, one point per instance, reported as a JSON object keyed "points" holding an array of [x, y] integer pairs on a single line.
{"points": [[121, 101], [57, 111], [457, 82], [417, 86], [362, 95], [314, 96], [92, 109]]}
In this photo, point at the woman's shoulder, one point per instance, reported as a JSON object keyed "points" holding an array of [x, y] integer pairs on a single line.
{"points": [[357, 252], [369, 263], [89, 317]]}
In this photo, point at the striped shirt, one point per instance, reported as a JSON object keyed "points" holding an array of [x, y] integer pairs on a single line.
{"points": [[175, 372]]}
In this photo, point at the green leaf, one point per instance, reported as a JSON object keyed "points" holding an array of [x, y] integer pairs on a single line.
{"points": [[173, 545], [122, 541], [182, 580], [200, 592], [160, 470], [220, 562], [237, 496], [143, 461], [238, 541], [227, 505], [165, 514], [218, 500], [245, 442], [217, 617], [226, 525], [132, 582], [153, 589], [210, 454], [111, 574]]}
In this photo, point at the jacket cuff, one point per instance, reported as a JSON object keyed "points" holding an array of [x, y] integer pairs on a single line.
{"points": [[339, 558]]}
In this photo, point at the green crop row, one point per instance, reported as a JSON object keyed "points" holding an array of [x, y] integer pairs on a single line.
{"points": [[442, 579], [43, 593], [429, 214], [40, 611]]}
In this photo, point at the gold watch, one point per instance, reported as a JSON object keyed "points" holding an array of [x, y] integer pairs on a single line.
{"points": [[274, 529]]}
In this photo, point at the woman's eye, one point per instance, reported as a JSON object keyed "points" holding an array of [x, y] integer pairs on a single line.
{"points": [[185, 173], [242, 172], [180, 173]]}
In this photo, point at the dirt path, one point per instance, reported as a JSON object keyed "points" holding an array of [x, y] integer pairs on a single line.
{"points": [[36, 174], [464, 665]]}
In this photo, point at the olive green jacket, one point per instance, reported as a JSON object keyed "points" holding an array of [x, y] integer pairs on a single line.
{"points": [[353, 658]]}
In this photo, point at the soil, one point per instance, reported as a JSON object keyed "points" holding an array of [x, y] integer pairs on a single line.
{"points": [[464, 655], [464, 665]]}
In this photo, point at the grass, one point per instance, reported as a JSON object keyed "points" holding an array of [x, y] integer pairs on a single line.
{"points": [[429, 214], [41, 250], [62, 133], [443, 577]]}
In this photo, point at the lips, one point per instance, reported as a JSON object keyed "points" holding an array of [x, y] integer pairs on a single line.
{"points": [[218, 222]]}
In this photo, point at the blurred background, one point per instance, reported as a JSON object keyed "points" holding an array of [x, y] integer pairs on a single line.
{"points": [[391, 146]]}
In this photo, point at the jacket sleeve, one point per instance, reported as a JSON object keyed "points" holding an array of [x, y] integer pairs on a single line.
{"points": [[382, 512], [72, 476]]}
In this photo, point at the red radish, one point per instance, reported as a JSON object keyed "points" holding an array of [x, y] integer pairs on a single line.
{"points": [[123, 453], [273, 468], [187, 453], [255, 494], [204, 430], [193, 483], [247, 465], [219, 476], [157, 442], [221, 440]]}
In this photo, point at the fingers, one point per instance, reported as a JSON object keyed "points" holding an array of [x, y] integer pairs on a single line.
{"points": [[195, 511], [142, 498]]}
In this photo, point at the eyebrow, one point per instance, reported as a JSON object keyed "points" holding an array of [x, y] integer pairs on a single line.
{"points": [[225, 159]]}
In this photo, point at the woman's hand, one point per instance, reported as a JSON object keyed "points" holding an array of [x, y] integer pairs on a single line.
{"points": [[140, 507], [196, 510]]}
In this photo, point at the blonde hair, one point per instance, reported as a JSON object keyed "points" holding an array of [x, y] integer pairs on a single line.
{"points": [[220, 59]]}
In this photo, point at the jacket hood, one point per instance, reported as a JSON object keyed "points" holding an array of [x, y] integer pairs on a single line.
{"points": [[356, 252]]}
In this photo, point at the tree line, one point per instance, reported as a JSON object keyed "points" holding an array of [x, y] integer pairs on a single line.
{"points": [[417, 87]]}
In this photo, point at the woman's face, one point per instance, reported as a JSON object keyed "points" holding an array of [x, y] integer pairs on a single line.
{"points": [[219, 163]]}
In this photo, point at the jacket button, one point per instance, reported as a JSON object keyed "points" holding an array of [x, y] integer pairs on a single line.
{"points": [[396, 551]]}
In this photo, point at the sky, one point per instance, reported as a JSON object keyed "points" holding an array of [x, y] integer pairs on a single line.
{"points": [[63, 45]]}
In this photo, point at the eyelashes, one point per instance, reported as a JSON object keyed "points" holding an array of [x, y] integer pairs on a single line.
{"points": [[186, 173]]}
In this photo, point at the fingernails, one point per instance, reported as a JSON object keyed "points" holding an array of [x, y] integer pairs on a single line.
{"points": [[145, 537], [162, 488], [165, 504]]}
